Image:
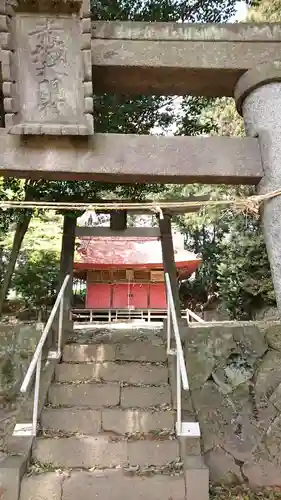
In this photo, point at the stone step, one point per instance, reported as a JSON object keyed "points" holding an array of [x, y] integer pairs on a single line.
{"points": [[145, 397], [109, 394], [141, 351], [118, 421], [132, 351], [71, 420], [140, 421], [105, 334], [107, 484], [157, 453], [83, 353], [88, 395], [103, 452], [131, 373]]}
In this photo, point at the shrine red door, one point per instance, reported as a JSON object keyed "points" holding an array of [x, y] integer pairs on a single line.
{"points": [[139, 296], [131, 295], [120, 296], [157, 296], [98, 296]]}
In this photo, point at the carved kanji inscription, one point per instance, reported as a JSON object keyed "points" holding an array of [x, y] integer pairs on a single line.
{"points": [[49, 72], [49, 60]]}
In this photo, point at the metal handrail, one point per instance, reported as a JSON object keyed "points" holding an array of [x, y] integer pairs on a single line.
{"points": [[35, 364], [191, 314], [172, 324]]}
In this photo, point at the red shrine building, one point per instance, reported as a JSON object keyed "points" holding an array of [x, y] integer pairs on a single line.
{"points": [[127, 272]]}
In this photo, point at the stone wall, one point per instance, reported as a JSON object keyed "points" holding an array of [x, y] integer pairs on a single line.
{"points": [[18, 342], [17, 345], [235, 379]]}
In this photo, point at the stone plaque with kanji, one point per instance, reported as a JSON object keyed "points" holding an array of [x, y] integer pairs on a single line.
{"points": [[50, 87]]}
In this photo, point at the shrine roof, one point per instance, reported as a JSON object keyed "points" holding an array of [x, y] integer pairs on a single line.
{"points": [[121, 252]]}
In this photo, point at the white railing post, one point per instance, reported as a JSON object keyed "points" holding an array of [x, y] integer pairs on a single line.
{"points": [[42, 340], [175, 325], [194, 316], [60, 326], [178, 397], [36, 395], [168, 326], [187, 429], [36, 362]]}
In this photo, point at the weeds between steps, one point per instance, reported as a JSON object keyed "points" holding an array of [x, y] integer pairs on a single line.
{"points": [[42, 468], [174, 468], [154, 435], [152, 409], [101, 381]]}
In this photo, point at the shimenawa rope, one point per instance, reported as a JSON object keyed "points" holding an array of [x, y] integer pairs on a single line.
{"points": [[248, 204]]}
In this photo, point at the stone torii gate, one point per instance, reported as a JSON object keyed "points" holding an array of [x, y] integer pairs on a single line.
{"points": [[53, 58]]}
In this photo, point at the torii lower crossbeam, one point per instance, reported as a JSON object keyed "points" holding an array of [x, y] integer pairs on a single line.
{"points": [[132, 158]]}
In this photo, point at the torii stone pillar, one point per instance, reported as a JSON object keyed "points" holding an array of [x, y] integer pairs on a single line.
{"points": [[168, 254], [258, 100]]}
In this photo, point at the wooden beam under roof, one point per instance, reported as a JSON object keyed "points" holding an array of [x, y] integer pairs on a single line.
{"points": [[107, 232]]}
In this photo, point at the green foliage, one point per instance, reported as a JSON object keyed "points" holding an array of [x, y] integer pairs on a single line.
{"points": [[266, 10], [164, 10], [10, 189], [36, 278], [235, 267], [249, 287], [195, 116], [224, 117], [44, 233], [243, 273]]}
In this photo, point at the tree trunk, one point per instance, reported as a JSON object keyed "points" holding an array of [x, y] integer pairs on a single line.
{"points": [[22, 227], [66, 267]]}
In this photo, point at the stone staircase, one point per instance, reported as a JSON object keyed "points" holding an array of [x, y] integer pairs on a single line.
{"points": [[107, 430]]}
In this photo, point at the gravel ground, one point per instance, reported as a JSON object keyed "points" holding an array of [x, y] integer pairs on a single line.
{"points": [[239, 493]]}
